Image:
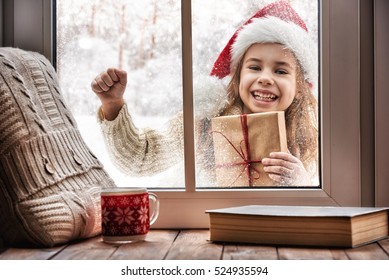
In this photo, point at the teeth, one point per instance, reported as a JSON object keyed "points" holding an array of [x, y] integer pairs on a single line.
{"points": [[264, 96]]}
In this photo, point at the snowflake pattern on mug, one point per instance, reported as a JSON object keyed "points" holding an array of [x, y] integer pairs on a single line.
{"points": [[105, 217], [143, 214], [126, 214]]}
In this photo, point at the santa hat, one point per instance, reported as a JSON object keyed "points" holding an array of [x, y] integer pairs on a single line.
{"points": [[275, 23]]}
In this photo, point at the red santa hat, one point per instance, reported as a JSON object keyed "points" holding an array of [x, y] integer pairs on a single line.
{"points": [[275, 23]]}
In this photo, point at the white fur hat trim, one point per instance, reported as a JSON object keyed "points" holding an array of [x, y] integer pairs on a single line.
{"points": [[274, 30]]}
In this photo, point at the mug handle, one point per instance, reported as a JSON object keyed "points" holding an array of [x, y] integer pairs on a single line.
{"points": [[154, 215]]}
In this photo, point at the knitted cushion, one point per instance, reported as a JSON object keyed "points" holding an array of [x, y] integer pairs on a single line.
{"points": [[50, 181]]}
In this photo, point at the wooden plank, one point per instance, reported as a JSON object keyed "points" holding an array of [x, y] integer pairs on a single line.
{"points": [[194, 245], [339, 254], [155, 247], [367, 252], [385, 245], [30, 253], [89, 249], [249, 252], [289, 253], [190, 244]]}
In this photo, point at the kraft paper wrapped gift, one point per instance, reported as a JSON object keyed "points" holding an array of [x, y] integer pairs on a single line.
{"points": [[241, 142]]}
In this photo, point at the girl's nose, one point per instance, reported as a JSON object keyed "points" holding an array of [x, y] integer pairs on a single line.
{"points": [[265, 78]]}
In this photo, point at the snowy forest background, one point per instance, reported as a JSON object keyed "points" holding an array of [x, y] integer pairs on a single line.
{"points": [[144, 38]]}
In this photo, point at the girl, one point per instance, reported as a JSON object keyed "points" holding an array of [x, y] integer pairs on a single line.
{"points": [[270, 62]]}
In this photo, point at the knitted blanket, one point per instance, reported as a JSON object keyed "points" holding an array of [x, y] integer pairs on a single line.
{"points": [[50, 181]]}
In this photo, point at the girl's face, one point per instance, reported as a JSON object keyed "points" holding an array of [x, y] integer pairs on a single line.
{"points": [[267, 78]]}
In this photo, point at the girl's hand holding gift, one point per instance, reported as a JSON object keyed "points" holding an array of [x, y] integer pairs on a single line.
{"points": [[286, 169]]}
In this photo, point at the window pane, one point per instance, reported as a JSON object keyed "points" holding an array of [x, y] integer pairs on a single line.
{"points": [[141, 37], [213, 24]]}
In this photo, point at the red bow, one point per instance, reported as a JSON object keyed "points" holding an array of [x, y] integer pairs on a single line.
{"points": [[244, 153]]}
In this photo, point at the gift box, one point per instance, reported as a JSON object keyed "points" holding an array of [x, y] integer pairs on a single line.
{"points": [[241, 142]]}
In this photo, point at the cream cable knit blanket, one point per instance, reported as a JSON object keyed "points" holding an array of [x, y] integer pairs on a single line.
{"points": [[50, 182]]}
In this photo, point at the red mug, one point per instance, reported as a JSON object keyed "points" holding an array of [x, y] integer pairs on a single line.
{"points": [[125, 214]]}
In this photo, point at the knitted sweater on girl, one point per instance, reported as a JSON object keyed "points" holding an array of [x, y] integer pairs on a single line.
{"points": [[141, 152]]}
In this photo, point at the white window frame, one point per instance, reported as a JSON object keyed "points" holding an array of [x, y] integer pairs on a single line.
{"points": [[348, 174]]}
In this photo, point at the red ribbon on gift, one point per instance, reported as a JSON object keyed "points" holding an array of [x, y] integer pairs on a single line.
{"points": [[243, 153]]}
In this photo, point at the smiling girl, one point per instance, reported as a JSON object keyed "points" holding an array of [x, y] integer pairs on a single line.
{"points": [[269, 78], [271, 64]]}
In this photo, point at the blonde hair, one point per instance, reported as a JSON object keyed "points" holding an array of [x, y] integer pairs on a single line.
{"points": [[301, 119]]}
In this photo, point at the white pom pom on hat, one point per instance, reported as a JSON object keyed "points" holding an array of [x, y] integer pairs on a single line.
{"points": [[275, 23]]}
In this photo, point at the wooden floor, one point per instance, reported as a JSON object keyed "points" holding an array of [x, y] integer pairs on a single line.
{"points": [[191, 245]]}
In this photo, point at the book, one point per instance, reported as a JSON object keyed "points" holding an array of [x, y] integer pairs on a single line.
{"points": [[299, 225]]}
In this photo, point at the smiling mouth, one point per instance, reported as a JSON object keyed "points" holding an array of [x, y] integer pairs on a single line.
{"points": [[264, 96]]}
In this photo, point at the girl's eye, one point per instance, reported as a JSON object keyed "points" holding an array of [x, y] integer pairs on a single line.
{"points": [[281, 71], [254, 67]]}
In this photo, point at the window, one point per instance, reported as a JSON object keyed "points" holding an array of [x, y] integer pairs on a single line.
{"points": [[347, 174], [90, 22]]}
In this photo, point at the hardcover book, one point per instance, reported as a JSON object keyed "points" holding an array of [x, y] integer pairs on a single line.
{"points": [[299, 225]]}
